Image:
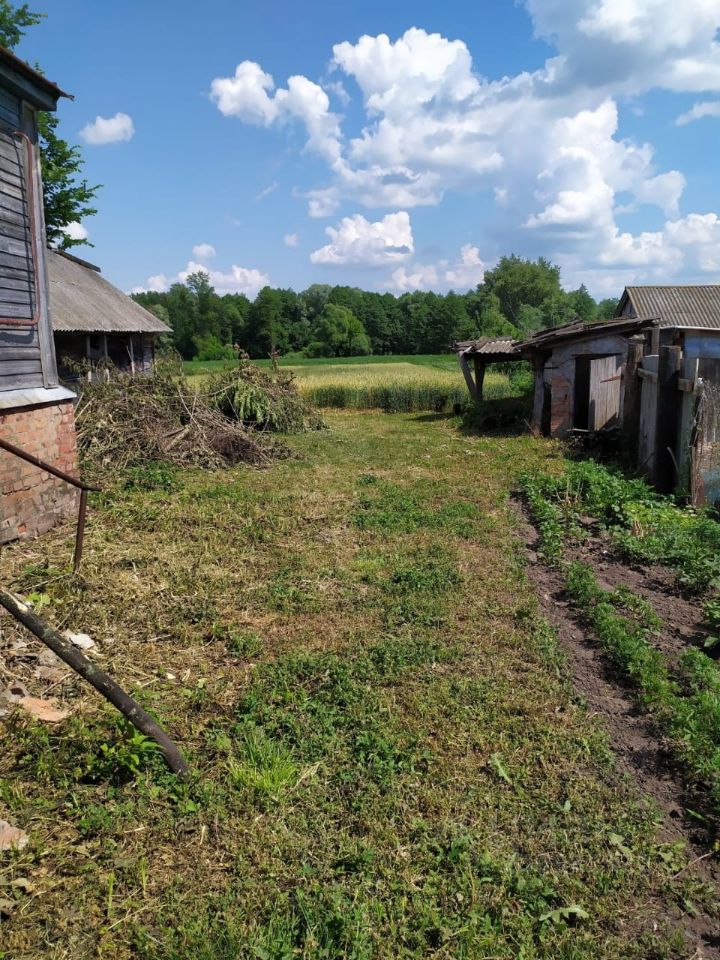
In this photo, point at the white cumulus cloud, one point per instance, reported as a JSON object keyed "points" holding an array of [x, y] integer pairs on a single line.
{"points": [[104, 130], [250, 95], [75, 231], [291, 240], [462, 274], [203, 251], [547, 143], [360, 242], [237, 279], [707, 108]]}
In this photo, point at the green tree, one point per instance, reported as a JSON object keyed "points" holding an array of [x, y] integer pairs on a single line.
{"points": [[338, 333], [14, 21], [67, 197], [583, 304], [606, 308], [263, 326]]}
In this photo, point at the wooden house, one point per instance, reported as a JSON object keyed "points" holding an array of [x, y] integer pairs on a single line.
{"points": [[36, 412], [94, 322]]}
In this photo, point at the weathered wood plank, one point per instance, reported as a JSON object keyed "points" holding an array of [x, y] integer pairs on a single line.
{"points": [[15, 283], [648, 417], [15, 247], [11, 169], [17, 311], [12, 203], [19, 353], [11, 103], [688, 403], [16, 381], [668, 410], [17, 264], [15, 296]]}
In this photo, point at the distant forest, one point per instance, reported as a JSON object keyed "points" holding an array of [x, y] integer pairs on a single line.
{"points": [[516, 298]]}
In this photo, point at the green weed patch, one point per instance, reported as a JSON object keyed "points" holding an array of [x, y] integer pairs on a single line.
{"points": [[645, 526]]}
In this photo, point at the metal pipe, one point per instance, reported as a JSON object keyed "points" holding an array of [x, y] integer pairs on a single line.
{"points": [[80, 532], [48, 467], [97, 678]]}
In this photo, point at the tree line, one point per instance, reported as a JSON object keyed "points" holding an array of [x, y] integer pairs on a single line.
{"points": [[517, 298]]}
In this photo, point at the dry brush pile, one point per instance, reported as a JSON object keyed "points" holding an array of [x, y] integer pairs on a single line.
{"points": [[132, 421]]}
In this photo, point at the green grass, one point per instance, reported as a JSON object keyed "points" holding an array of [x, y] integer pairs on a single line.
{"points": [[387, 758]]}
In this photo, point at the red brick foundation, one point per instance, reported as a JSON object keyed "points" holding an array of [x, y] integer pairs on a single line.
{"points": [[31, 500]]}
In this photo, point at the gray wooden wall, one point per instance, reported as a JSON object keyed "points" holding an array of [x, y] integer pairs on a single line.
{"points": [[26, 353]]}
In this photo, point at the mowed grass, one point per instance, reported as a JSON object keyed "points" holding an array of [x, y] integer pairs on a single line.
{"points": [[391, 384], [387, 759]]}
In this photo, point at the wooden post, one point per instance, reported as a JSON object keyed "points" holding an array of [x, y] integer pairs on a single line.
{"points": [[631, 398], [687, 398], [479, 376], [655, 340], [132, 356], [668, 416], [465, 367], [648, 373], [538, 394]]}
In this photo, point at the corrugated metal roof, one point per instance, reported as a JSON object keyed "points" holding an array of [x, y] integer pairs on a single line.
{"points": [[694, 305], [487, 345], [82, 301]]}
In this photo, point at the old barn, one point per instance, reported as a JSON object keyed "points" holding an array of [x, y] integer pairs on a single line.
{"points": [[96, 323]]}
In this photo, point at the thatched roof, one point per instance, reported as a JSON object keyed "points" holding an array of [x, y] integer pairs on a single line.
{"points": [[82, 301]]}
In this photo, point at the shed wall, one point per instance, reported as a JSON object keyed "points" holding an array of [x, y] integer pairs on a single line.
{"points": [[559, 375]]}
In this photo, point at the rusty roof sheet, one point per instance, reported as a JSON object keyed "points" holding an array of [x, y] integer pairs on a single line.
{"points": [[692, 305], [579, 330], [82, 301]]}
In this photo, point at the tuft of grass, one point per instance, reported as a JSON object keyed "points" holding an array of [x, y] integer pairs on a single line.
{"points": [[264, 766]]}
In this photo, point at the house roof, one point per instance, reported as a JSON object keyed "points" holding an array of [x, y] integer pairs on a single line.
{"points": [[579, 330], [692, 305], [82, 301], [29, 82]]}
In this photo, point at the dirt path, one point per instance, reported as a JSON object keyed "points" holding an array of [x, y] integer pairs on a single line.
{"points": [[641, 751]]}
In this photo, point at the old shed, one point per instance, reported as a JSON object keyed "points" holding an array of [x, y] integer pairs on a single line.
{"points": [[94, 322]]}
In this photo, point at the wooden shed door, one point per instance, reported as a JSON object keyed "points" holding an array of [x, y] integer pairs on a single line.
{"points": [[605, 374]]}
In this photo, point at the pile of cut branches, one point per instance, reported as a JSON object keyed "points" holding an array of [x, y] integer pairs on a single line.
{"points": [[131, 421], [265, 401]]}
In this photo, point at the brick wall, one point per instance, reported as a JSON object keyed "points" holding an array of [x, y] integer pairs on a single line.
{"points": [[561, 406], [31, 501]]}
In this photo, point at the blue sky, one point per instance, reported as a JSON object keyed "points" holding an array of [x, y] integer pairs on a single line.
{"points": [[414, 144]]}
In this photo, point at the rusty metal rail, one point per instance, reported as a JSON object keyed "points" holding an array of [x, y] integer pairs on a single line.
{"points": [[61, 475]]}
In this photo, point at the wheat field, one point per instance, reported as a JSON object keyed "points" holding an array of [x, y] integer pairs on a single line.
{"points": [[395, 385]]}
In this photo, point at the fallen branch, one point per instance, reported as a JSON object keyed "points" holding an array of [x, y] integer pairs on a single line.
{"points": [[103, 683]]}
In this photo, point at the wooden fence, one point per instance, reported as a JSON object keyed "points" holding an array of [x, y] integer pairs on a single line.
{"points": [[671, 419]]}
